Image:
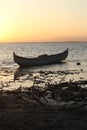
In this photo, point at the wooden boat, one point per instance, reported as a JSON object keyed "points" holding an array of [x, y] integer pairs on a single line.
{"points": [[40, 60]]}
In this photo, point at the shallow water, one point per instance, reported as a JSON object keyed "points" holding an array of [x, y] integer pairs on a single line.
{"points": [[13, 77], [77, 53], [11, 80]]}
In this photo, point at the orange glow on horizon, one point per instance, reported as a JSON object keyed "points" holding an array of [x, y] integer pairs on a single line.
{"points": [[43, 21]]}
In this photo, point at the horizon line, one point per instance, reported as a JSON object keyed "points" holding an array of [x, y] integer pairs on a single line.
{"points": [[45, 42]]}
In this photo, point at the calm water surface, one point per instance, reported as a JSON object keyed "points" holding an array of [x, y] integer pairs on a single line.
{"points": [[77, 53]]}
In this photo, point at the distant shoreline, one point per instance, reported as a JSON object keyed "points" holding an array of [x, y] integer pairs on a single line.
{"points": [[44, 42]]}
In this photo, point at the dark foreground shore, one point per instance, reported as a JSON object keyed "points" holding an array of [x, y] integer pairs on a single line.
{"points": [[56, 106], [35, 117]]}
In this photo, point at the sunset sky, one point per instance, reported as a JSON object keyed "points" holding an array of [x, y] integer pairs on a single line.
{"points": [[43, 20]]}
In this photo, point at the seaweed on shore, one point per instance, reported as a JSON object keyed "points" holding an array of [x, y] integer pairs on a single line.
{"points": [[61, 92]]}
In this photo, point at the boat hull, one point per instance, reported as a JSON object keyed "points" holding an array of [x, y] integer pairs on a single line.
{"points": [[40, 60]]}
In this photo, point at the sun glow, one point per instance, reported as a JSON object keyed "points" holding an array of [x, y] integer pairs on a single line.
{"points": [[4, 27], [43, 20]]}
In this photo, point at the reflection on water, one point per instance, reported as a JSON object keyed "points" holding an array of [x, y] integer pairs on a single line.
{"points": [[13, 79], [77, 53]]}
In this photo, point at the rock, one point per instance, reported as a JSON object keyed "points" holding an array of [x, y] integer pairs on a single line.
{"points": [[78, 63]]}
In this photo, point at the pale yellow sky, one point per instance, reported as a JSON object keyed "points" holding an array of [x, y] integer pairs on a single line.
{"points": [[43, 20]]}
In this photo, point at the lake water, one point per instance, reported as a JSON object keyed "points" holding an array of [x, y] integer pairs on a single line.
{"points": [[11, 77], [77, 53]]}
